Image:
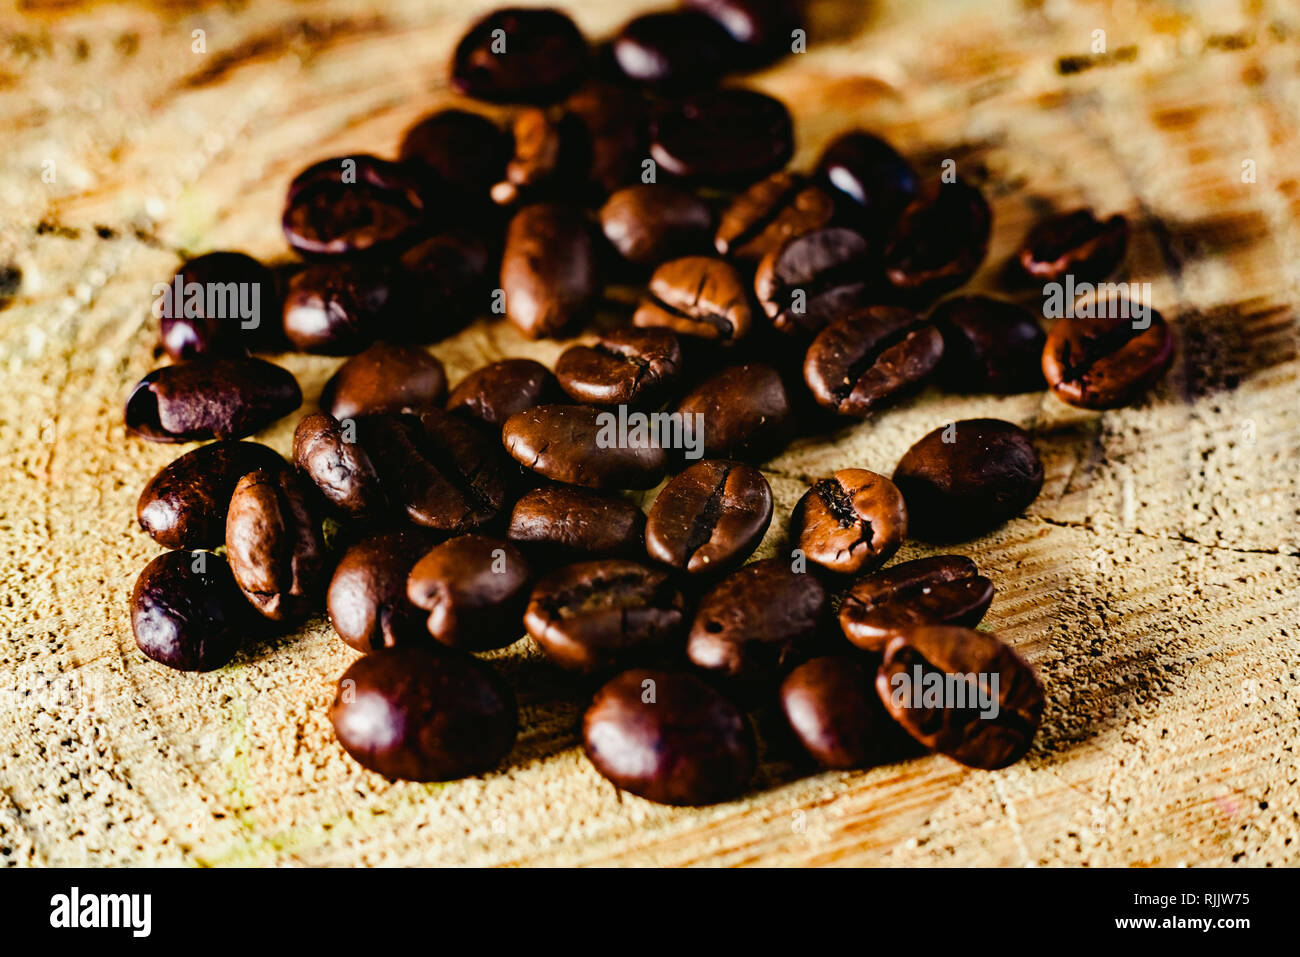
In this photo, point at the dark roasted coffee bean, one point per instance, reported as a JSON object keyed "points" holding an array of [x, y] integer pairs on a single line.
{"points": [[988, 345], [385, 378], [849, 523], [274, 544], [617, 121], [424, 714], [474, 589], [328, 453], [670, 738], [548, 269], [598, 615], [869, 172], [184, 504], [210, 398], [831, 705], [771, 211], [869, 358], [566, 522], [219, 304], [763, 29], [580, 445], [622, 367], [1108, 361], [968, 477], [466, 150], [552, 155], [649, 223], [517, 55], [698, 296], [944, 590], [498, 390], [812, 280], [745, 412], [353, 206], [337, 309], [187, 613], [445, 281], [1077, 244], [730, 136], [756, 623], [674, 50], [992, 702], [939, 240], [709, 518], [367, 600]]}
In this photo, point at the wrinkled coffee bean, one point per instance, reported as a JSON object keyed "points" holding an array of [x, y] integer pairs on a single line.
{"points": [[780, 207], [944, 590], [849, 523], [939, 240], [730, 136], [474, 589], [869, 172], [1077, 244], [493, 393], [445, 282], [697, 296], [617, 122], [353, 206], [519, 55], [762, 29], [709, 518], [466, 150], [337, 309], [831, 705], [548, 269], [385, 378], [988, 346], [673, 51], [210, 398], [366, 599], [622, 367], [745, 412], [565, 522], [579, 444], [187, 613], [327, 452], [220, 303], [811, 280], [552, 152], [649, 224], [1108, 361]]}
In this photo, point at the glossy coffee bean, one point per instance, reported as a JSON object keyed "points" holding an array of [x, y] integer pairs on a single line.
{"points": [[385, 377], [730, 136], [698, 296], [670, 738], [445, 281], [337, 309], [709, 518], [962, 730], [548, 269], [424, 714], [674, 51], [649, 223], [746, 412], [762, 29], [756, 623], [943, 590], [831, 705], [869, 358], [274, 544], [210, 398], [353, 206], [474, 589], [760, 219], [812, 280], [328, 453], [623, 367], [1107, 362], [227, 304], [567, 523], [552, 156], [966, 478], [597, 615], [988, 345], [518, 55], [366, 599], [466, 150], [850, 523], [939, 241], [617, 121], [498, 390], [187, 613], [869, 171], [1077, 244], [579, 444]]}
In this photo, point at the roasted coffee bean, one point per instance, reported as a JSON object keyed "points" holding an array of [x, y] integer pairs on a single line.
{"points": [[617, 121], [466, 150], [184, 504], [944, 590], [622, 367], [517, 55], [743, 412], [992, 700], [763, 29], [756, 623], [831, 705], [869, 172], [474, 589], [424, 714], [771, 211], [552, 155], [698, 296], [187, 613], [869, 358], [579, 444], [498, 390], [812, 280], [968, 477], [709, 518], [327, 452], [445, 281], [1077, 244], [367, 600], [210, 398], [674, 51], [988, 345], [353, 206], [385, 378], [649, 224], [939, 241], [730, 136], [670, 738], [567, 523], [274, 544], [597, 615], [849, 523], [219, 304], [337, 309], [1108, 361], [548, 269]]}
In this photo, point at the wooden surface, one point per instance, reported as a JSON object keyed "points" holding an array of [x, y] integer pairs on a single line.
{"points": [[1153, 584]]}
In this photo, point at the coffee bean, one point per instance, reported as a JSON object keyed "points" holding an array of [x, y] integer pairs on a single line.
{"points": [[869, 172], [649, 223], [939, 240], [579, 444], [548, 269], [186, 612], [565, 522], [367, 601], [746, 412], [1075, 243], [445, 281], [811, 280], [516, 55], [944, 590], [617, 122], [498, 390], [674, 51], [207, 398], [424, 714], [337, 309], [944, 655], [760, 219], [596, 615], [670, 738], [869, 358], [474, 589], [756, 623], [622, 367], [849, 523], [353, 206], [466, 150], [988, 345], [831, 705], [709, 518], [227, 304], [385, 378], [552, 156], [763, 29], [184, 504], [1108, 361], [966, 478], [274, 544], [328, 454], [697, 296], [730, 136]]}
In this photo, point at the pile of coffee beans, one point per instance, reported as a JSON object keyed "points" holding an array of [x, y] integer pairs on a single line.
{"points": [[433, 525]]}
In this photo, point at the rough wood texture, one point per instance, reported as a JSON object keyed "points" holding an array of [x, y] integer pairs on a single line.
{"points": [[1153, 583]]}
